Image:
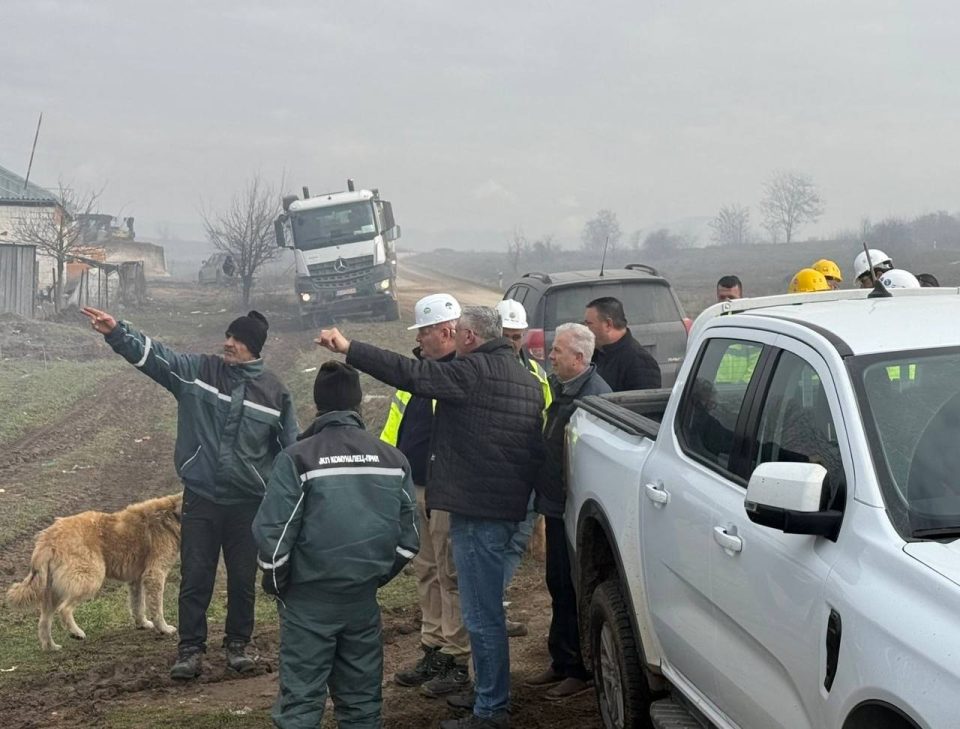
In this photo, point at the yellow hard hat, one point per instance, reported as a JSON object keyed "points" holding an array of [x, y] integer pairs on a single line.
{"points": [[828, 268], [808, 280]]}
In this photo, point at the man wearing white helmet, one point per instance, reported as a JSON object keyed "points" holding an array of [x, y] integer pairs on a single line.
{"points": [[444, 640], [514, 318], [878, 260]]}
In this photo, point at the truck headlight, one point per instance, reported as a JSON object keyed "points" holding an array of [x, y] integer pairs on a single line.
{"points": [[384, 285], [305, 297]]}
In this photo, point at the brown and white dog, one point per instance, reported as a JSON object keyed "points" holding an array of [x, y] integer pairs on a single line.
{"points": [[73, 556]]}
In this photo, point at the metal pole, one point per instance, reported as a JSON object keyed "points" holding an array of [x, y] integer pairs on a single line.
{"points": [[33, 149]]}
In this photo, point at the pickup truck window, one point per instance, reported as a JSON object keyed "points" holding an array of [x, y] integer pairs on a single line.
{"points": [[795, 421], [912, 416], [712, 401]]}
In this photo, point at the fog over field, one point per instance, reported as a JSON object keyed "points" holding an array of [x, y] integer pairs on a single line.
{"points": [[475, 119]]}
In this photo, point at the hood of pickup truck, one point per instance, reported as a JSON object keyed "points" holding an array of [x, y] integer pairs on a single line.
{"points": [[940, 557]]}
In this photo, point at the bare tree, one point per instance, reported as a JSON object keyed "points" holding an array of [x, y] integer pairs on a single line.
{"points": [[602, 230], [518, 247], [245, 230], [545, 248], [56, 233], [790, 200], [731, 227]]}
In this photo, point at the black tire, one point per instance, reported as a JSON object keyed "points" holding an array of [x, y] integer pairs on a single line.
{"points": [[623, 695], [391, 312]]}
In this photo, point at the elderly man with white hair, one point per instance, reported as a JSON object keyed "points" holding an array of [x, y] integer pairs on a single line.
{"points": [[573, 377]]}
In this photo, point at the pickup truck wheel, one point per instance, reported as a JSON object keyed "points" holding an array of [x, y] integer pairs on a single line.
{"points": [[622, 692]]}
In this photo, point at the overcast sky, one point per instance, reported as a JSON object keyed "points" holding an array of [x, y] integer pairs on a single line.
{"points": [[477, 117]]}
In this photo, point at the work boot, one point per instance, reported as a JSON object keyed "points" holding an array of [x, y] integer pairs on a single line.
{"points": [[463, 702], [237, 658], [500, 721], [568, 687], [454, 678], [188, 664], [425, 669], [546, 678]]}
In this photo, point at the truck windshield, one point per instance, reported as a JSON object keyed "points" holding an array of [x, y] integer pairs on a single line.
{"points": [[334, 225], [911, 407]]}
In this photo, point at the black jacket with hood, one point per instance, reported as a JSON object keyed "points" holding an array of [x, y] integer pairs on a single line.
{"points": [[486, 446]]}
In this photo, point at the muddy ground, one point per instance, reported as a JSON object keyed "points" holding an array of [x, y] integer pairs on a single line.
{"points": [[114, 446]]}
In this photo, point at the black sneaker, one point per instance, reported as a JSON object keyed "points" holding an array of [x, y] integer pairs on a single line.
{"points": [[453, 679], [425, 669], [188, 664], [237, 658]]}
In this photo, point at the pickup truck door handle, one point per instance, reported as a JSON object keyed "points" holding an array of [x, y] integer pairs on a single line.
{"points": [[729, 541], [657, 494]]}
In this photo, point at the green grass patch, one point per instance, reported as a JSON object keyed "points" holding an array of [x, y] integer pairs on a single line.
{"points": [[164, 718], [36, 393], [399, 593]]}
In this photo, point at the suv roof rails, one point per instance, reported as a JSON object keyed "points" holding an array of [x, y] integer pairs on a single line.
{"points": [[545, 278], [642, 267]]}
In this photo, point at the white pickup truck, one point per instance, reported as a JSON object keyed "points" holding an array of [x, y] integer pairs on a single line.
{"points": [[776, 542]]}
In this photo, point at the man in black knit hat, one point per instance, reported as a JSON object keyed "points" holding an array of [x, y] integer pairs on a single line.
{"points": [[339, 519], [234, 417]]}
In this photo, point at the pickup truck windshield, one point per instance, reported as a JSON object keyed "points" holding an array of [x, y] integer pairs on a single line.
{"points": [[334, 225], [912, 416]]}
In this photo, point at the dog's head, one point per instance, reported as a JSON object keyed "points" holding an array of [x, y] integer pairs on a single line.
{"points": [[170, 510]]}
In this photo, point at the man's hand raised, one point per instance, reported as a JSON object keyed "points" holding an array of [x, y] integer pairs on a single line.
{"points": [[101, 321], [333, 340]]}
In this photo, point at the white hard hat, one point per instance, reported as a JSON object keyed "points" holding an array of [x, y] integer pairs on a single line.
{"points": [[897, 278], [512, 314], [435, 309], [878, 258]]}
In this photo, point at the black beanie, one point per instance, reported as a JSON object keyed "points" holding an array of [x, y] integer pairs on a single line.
{"points": [[337, 387], [251, 330]]}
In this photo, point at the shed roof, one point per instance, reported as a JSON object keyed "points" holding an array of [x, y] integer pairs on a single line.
{"points": [[12, 190]]}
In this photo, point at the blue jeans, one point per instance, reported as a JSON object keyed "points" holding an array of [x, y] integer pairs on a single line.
{"points": [[479, 551], [518, 544]]}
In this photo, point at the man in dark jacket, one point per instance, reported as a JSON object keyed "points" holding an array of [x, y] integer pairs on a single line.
{"points": [[621, 360], [442, 669], [573, 377], [339, 519], [484, 455], [233, 418]]}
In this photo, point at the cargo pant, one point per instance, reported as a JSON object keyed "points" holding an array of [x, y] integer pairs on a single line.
{"points": [[327, 645], [441, 626]]}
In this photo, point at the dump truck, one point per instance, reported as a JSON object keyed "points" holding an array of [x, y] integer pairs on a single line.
{"points": [[344, 246]]}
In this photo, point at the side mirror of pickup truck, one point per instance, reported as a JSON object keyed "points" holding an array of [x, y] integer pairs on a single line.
{"points": [[792, 497]]}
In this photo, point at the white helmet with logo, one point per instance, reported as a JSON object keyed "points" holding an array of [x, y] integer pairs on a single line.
{"points": [[435, 309], [878, 259], [512, 314], [897, 278]]}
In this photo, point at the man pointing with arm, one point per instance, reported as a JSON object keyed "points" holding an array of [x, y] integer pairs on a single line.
{"points": [[483, 458], [233, 418]]}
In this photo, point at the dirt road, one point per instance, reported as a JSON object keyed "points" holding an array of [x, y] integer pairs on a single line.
{"points": [[115, 447]]}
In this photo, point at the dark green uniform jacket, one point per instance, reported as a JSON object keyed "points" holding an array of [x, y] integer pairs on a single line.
{"points": [[232, 420], [340, 509]]}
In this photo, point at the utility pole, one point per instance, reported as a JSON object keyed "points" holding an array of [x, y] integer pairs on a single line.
{"points": [[33, 149]]}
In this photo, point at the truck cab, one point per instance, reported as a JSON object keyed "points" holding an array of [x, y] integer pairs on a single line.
{"points": [[775, 542], [344, 246]]}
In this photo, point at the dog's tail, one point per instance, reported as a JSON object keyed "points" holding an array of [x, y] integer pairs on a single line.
{"points": [[29, 591]]}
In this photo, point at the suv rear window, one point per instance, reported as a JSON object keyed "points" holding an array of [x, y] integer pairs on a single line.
{"points": [[644, 302]]}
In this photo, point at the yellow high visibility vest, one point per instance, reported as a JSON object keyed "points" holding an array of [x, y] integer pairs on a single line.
{"points": [[737, 364]]}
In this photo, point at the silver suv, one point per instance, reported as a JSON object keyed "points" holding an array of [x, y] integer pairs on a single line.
{"points": [[654, 313]]}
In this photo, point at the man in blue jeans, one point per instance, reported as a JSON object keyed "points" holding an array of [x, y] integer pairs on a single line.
{"points": [[485, 451]]}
